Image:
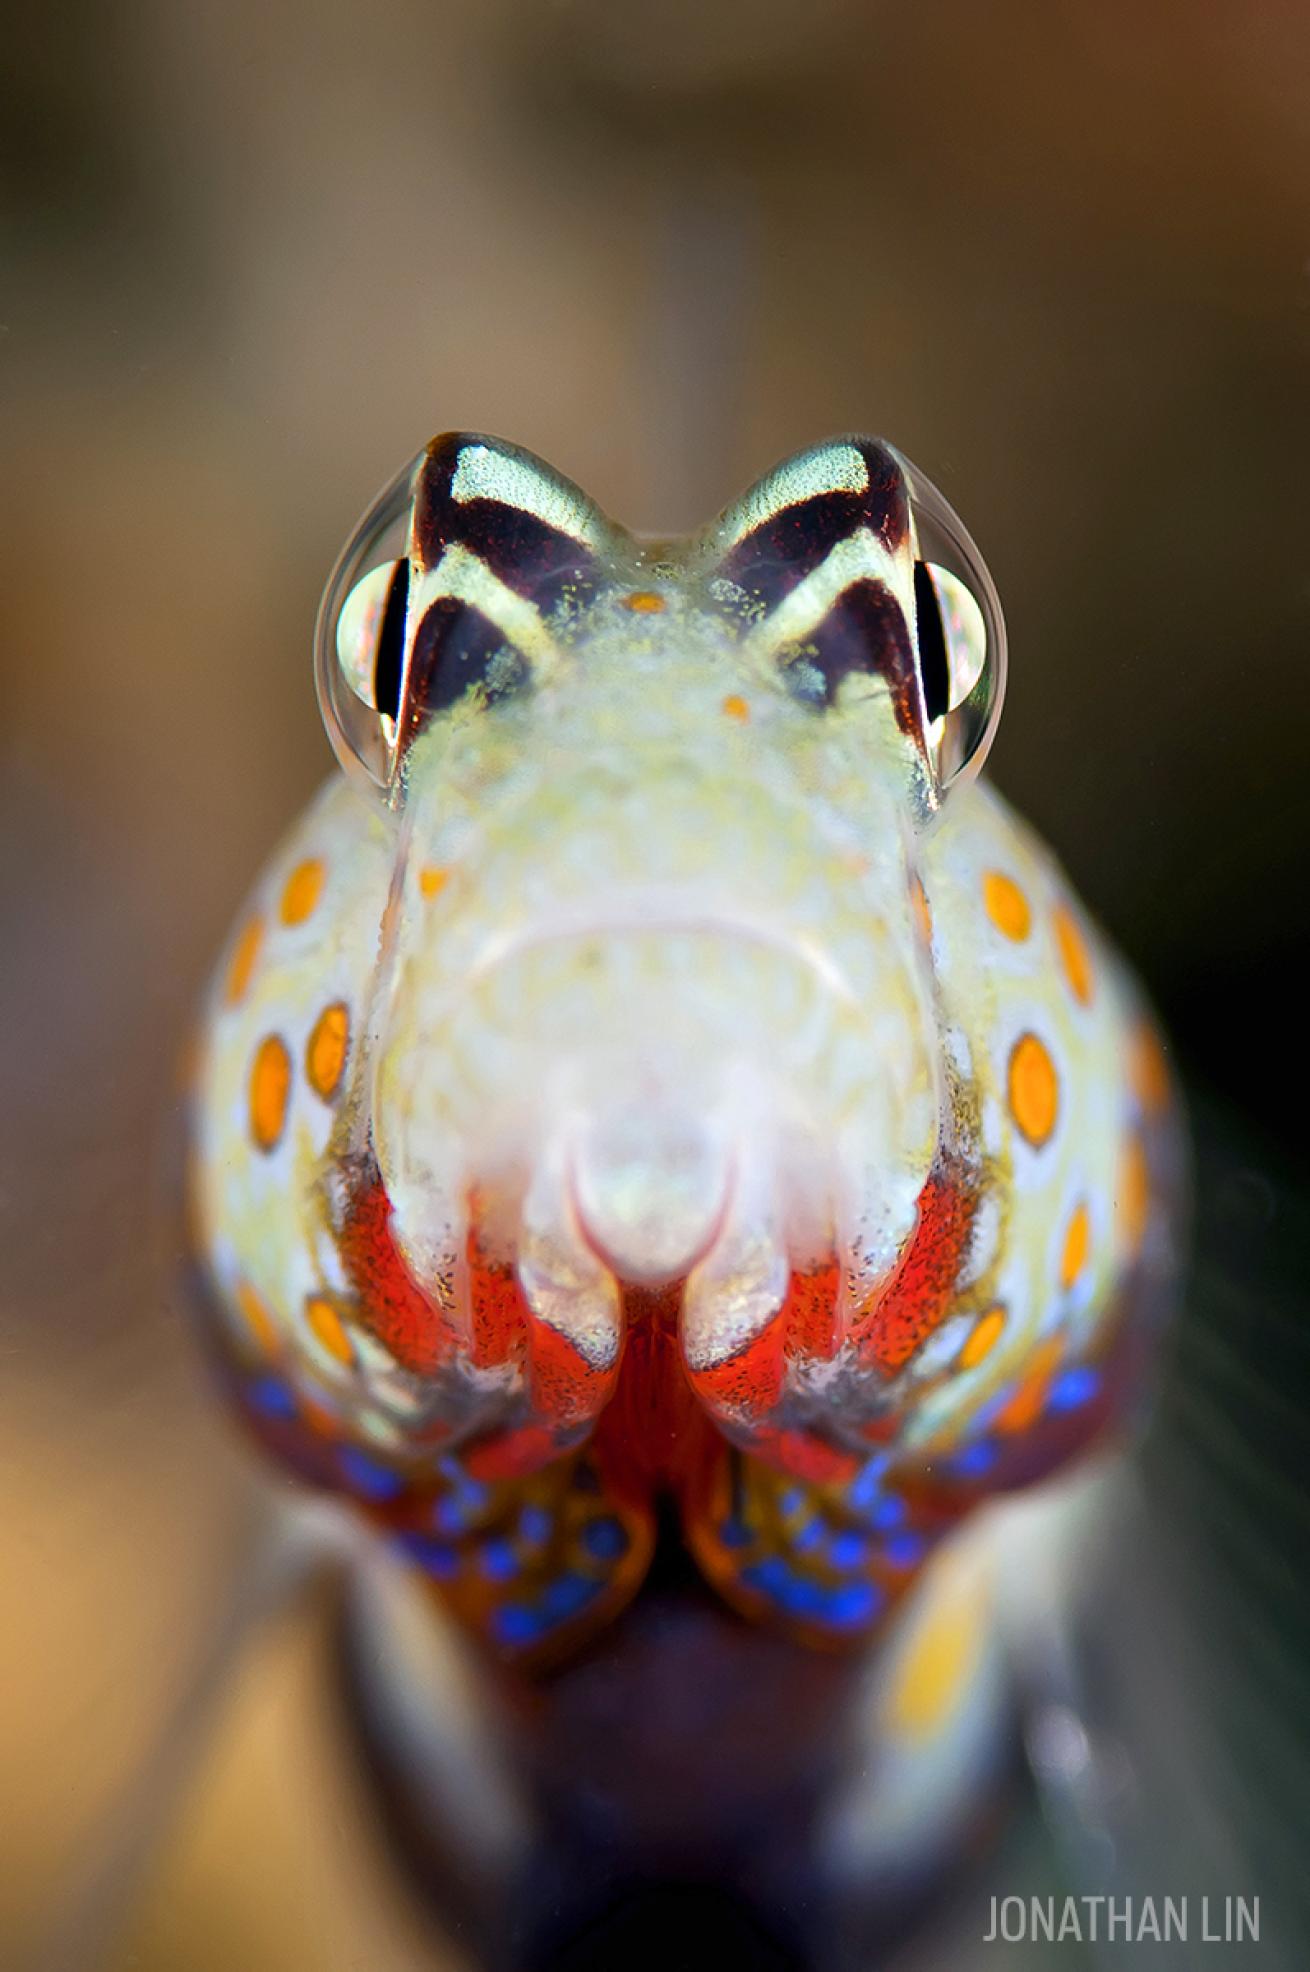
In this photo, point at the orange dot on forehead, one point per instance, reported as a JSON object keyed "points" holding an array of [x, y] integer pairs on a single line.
{"points": [[1006, 905], [242, 963], [736, 707], [1077, 1244], [983, 1337], [1074, 955], [270, 1090], [644, 602], [325, 1051], [432, 880], [303, 889], [1034, 1089], [326, 1324]]}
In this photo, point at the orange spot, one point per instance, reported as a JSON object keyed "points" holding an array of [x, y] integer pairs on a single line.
{"points": [[1133, 1195], [325, 1052], [1077, 1245], [242, 963], [318, 1417], [919, 906], [1074, 955], [644, 602], [1034, 1089], [327, 1326], [736, 707], [1148, 1070], [303, 889], [1006, 906], [257, 1318], [270, 1090], [986, 1333], [432, 880], [1025, 1406]]}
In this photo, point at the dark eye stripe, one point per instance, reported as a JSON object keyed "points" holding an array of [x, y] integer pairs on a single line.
{"points": [[791, 543], [539, 562], [864, 633], [457, 648]]}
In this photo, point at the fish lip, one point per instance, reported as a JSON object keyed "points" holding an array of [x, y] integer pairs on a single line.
{"points": [[624, 1275], [647, 912]]}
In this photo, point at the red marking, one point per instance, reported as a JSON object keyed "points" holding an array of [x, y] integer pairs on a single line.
{"points": [[498, 1310], [565, 1387], [749, 1384], [809, 1313], [511, 1454], [747, 1389], [653, 1434], [806, 1456], [392, 1305], [919, 1292]]}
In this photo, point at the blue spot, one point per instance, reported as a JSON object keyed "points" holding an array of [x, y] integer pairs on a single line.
{"points": [[792, 1592], [450, 1468], [792, 1501], [849, 1550], [1075, 1387], [455, 1512], [367, 1476], [844, 1607], [535, 1524], [498, 1561], [772, 1577], [567, 1595], [808, 1536], [973, 1461], [866, 1486], [853, 1604], [516, 1622], [905, 1550], [889, 1512], [273, 1398], [735, 1533], [448, 1515], [435, 1557], [605, 1540]]}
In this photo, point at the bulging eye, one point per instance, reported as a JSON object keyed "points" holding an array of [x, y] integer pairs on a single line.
{"points": [[960, 635], [371, 636], [952, 635], [359, 644]]}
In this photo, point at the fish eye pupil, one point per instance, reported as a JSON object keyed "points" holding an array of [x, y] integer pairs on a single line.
{"points": [[391, 643], [934, 662]]}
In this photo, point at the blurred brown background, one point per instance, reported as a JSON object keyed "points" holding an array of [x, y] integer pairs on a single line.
{"points": [[253, 255]]}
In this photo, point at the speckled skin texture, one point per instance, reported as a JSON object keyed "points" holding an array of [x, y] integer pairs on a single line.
{"points": [[666, 1085]]}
